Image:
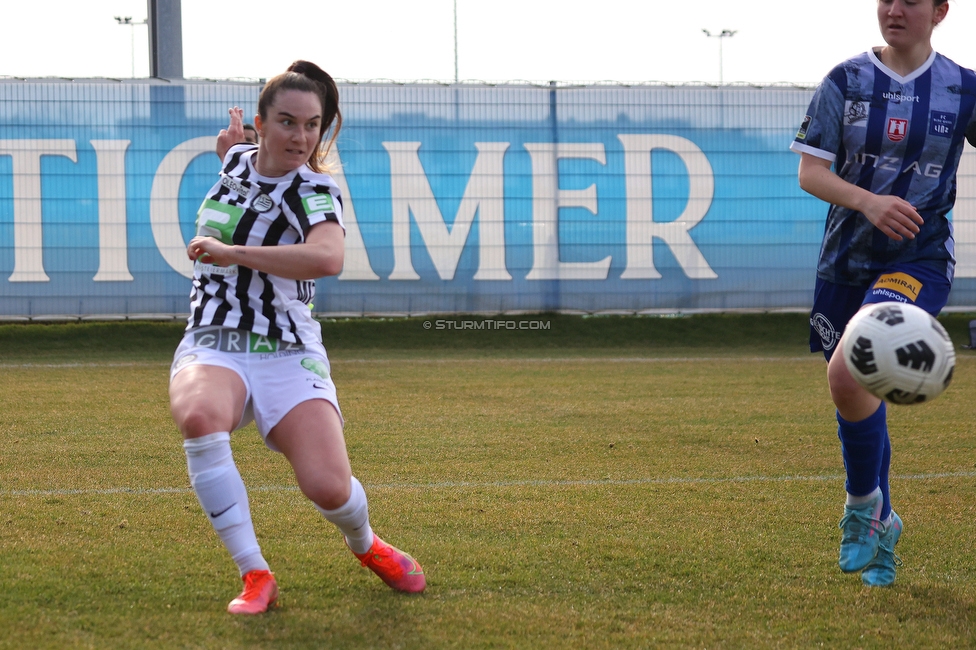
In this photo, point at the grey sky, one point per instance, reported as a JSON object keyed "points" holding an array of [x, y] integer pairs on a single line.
{"points": [[538, 40]]}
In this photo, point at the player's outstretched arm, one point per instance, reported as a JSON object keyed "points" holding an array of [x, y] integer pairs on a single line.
{"points": [[892, 215], [233, 134], [321, 255]]}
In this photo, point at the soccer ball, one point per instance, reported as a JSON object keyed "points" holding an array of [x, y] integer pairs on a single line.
{"points": [[898, 352]]}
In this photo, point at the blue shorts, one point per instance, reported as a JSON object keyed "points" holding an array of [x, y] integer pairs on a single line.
{"points": [[925, 285]]}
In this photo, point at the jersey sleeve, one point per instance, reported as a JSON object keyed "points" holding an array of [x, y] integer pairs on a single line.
{"points": [[317, 201], [233, 156], [821, 132]]}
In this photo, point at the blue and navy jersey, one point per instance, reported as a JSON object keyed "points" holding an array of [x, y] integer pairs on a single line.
{"points": [[893, 135], [245, 208]]}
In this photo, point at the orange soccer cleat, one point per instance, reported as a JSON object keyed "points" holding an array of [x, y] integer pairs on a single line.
{"points": [[393, 566], [260, 594]]}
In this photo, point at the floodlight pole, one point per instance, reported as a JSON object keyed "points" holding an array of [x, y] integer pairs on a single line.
{"points": [[455, 44], [721, 36], [132, 36], [165, 39]]}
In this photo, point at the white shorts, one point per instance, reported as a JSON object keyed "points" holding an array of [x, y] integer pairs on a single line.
{"points": [[277, 375]]}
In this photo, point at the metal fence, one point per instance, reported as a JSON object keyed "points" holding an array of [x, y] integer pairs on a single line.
{"points": [[457, 198]]}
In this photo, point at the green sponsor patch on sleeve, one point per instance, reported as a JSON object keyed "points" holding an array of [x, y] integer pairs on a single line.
{"points": [[318, 203], [218, 220]]}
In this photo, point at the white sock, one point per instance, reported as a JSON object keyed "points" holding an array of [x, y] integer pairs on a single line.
{"points": [[222, 495], [860, 501], [352, 518]]}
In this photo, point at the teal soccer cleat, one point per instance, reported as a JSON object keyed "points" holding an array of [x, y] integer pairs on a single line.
{"points": [[862, 535], [880, 572]]}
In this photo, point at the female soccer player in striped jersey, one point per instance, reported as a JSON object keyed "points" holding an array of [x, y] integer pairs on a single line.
{"points": [[892, 123], [267, 229]]}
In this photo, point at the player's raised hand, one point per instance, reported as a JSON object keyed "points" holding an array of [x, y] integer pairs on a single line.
{"points": [[234, 132], [894, 216], [209, 250]]}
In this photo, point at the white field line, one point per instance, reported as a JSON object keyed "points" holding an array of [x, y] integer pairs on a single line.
{"points": [[156, 364], [93, 364], [584, 360], [446, 485], [147, 364]]}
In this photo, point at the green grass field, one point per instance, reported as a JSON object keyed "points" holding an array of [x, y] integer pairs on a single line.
{"points": [[604, 483]]}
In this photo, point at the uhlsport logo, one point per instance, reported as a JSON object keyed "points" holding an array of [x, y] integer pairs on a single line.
{"points": [[897, 129], [828, 334], [899, 98], [902, 283]]}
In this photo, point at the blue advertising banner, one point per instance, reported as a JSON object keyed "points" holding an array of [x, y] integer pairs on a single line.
{"points": [[456, 198]]}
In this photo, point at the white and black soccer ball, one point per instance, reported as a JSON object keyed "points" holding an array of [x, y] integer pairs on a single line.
{"points": [[898, 352]]}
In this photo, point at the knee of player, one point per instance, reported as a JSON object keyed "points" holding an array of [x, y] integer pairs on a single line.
{"points": [[843, 387], [198, 421], [328, 491]]}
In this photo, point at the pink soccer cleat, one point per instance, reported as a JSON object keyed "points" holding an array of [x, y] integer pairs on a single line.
{"points": [[260, 594], [393, 566]]}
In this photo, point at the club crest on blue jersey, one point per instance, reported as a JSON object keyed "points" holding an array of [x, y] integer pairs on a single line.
{"points": [[942, 123], [855, 113], [897, 129]]}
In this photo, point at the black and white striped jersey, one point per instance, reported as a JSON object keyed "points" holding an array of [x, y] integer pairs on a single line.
{"points": [[247, 209]]}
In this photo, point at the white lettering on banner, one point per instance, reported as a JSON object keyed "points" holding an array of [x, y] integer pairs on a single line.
{"points": [[355, 264], [113, 244], [413, 198], [164, 206], [547, 199], [641, 227], [484, 194], [164, 213], [28, 234], [964, 215]]}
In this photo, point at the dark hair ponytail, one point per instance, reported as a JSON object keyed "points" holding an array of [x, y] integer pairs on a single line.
{"points": [[308, 77]]}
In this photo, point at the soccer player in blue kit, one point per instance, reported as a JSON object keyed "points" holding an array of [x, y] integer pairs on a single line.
{"points": [[881, 143]]}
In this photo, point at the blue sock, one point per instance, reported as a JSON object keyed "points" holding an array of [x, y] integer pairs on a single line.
{"points": [[883, 476], [863, 445]]}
